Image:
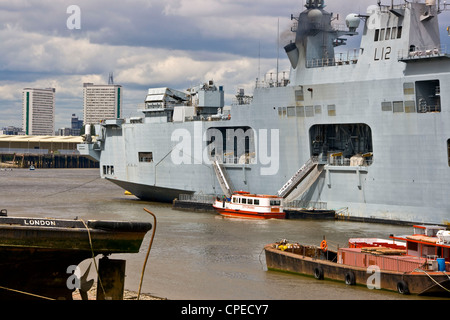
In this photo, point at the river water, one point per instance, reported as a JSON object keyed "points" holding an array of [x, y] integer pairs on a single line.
{"points": [[194, 256]]}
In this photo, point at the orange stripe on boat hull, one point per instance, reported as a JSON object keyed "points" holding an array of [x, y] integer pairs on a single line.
{"points": [[249, 214]]}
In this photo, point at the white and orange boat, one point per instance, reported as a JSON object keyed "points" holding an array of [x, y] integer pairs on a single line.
{"points": [[254, 206]]}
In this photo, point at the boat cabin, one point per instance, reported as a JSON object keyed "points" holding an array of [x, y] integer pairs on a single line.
{"points": [[259, 202], [431, 242]]}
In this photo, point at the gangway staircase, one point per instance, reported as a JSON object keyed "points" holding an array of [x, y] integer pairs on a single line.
{"points": [[302, 180], [222, 176]]}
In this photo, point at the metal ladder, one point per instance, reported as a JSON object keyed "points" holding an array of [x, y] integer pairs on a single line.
{"points": [[298, 177], [222, 177]]}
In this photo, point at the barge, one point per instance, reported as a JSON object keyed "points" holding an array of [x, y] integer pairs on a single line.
{"points": [[37, 254], [416, 264]]}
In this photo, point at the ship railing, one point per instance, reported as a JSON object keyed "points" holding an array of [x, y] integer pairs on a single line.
{"points": [[346, 162], [341, 60], [396, 263], [199, 198], [429, 108], [273, 80], [306, 204], [231, 159], [415, 53], [37, 151]]}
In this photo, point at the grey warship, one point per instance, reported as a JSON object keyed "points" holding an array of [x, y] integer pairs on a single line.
{"points": [[366, 129]]}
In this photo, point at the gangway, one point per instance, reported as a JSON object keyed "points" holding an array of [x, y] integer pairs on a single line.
{"points": [[307, 174], [222, 176]]}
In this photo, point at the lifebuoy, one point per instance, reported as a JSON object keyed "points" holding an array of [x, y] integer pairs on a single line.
{"points": [[324, 246]]}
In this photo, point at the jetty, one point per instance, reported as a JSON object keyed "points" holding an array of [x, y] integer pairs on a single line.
{"points": [[43, 152]]}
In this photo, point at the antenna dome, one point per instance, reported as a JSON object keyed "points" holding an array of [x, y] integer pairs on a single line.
{"points": [[352, 21], [315, 16]]}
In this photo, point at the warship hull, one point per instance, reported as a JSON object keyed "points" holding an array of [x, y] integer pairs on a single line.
{"points": [[378, 122]]}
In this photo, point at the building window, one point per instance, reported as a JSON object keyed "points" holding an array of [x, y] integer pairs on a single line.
{"points": [[145, 156]]}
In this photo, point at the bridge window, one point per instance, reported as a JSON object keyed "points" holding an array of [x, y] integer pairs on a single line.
{"points": [[394, 33]]}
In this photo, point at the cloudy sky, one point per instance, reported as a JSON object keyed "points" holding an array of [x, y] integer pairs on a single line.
{"points": [[145, 43]]}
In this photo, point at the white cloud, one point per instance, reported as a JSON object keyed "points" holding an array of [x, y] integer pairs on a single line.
{"points": [[146, 43]]}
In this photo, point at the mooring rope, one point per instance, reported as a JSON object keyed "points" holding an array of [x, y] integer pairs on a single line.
{"points": [[148, 252], [93, 256], [26, 293], [421, 270]]}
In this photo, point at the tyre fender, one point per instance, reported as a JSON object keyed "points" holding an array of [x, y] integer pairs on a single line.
{"points": [[402, 287], [318, 273], [350, 278]]}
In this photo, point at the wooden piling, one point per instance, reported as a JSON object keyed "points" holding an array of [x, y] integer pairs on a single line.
{"points": [[111, 283]]}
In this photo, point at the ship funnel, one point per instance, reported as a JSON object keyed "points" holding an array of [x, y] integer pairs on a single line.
{"points": [[293, 54]]}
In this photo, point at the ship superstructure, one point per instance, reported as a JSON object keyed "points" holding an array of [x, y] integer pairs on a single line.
{"points": [[367, 129]]}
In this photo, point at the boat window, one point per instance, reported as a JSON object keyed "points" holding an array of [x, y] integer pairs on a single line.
{"points": [[108, 170], [234, 200], [398, 106], [399, 32], [309, 111], [250, 201], [448, 149], [145, 156], [256, 202], [388, 33], [244, 200], [394, 33], [408, 88], [386, 106], [331, 110], [275, 202], [291, 111], [382, 34]]}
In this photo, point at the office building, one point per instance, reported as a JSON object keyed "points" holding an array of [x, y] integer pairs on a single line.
{"points": [[101, 102], [38, 111], [74, 130]]}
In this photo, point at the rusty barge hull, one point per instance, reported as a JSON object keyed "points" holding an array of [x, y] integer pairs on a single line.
{"points": [[36, 253], [321, 267]]}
